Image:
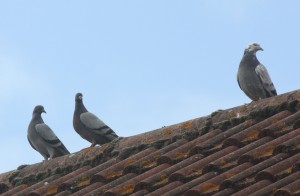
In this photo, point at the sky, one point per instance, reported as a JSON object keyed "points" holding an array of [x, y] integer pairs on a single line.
{"points": [[140, 65]]}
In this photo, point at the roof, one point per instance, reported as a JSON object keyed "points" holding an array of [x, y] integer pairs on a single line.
{"points": [[250, 149]]}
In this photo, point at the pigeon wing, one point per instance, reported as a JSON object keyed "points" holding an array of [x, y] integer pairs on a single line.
{"points": [[265, 79], [31, 143], [47, 134], [96, 125], [91, 121], [238, 81]]}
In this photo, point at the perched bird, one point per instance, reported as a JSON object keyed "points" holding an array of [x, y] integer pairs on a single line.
{"points": [[42, 138], [253, 77], [89, 126]]}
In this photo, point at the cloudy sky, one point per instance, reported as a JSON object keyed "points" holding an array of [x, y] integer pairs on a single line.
{"points": [[140, 64]]}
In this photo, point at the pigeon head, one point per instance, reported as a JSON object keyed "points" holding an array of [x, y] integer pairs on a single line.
{"points": [[253, 48], [39, 109], [78, 97]]}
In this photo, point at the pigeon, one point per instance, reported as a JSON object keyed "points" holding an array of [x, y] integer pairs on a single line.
{"points": [[89, 126], [253, 77], [42, 138]]}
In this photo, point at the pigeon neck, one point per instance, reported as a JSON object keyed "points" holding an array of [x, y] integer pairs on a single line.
{"points": [[80, 107], [249, 53], [251, 57], [37, 117]]}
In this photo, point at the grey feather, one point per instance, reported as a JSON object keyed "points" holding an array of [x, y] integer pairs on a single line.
{"points": [[91, 121], [253, 78], [89, 126], [47, 134], [265, 79], [42, 138]]}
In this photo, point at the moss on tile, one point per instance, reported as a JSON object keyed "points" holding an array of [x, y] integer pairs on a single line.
{"points": [[208, 122], [110, 147], [131, 151], [224, 125], [21, 167], [67, 170], [292, 105], [176, 138], [63, 171], [84, 163], [207, 126], [110, 151], [189, 136], [163, 181], [215, 113], [114, 153], [41, 176], [79, 165], [3, 188], [204, 130], [31, 179], [58, 170], [160, 143], [13, 175], [269, 111], [237, 121], [97, 160], [258, 115], [25, 180]]}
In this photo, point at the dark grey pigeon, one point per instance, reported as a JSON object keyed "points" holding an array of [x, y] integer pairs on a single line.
{"points": [[42, 138], [253, 77], [89, 126]]}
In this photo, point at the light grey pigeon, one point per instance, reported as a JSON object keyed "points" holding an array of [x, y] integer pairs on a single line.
{"points": [[42, 138], [89, 126], [253, 77]]}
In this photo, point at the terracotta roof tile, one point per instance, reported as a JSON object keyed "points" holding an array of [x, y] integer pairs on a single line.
{"points": [[265, 151], [220, 137], [250, 149], [117, 169], [102, 189], [277, 185], [290, 189], [88, 189], [34, 189], [242, 179], [186, 186], [281, 127], [225, 192], [150, 160], [231, 160], [250, 134], [166, 188], [290, 146], [63, 193], [213, 185], [162, 178], [183, 151], [251, 189], [129, 186], [277, 171], [15, 190], [53, 186], [84, 177], [195, 169], [140, 193]]}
